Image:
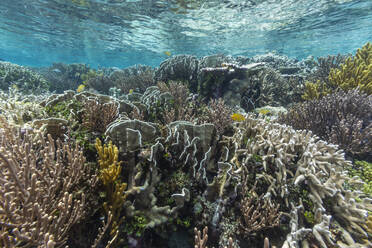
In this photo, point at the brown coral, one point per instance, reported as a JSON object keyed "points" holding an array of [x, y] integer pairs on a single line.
{"points": [[97, 115], [39, 199], [343, 118]]}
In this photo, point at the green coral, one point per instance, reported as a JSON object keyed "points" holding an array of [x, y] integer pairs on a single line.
{"points": [[315, 90], [21, 78], [136, 225], [363, 169], [355, 72], [64, 109]]}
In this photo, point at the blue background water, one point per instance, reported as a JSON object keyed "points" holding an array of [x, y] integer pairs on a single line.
{"points": [[122, 33]]}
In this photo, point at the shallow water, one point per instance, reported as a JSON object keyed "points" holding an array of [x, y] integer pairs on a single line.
{"points": [[122, 33]]}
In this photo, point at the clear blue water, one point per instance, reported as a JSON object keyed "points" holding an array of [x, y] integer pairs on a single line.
{"points": [[126, 32]]}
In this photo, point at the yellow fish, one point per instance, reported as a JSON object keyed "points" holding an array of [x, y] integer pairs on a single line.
{"points": [[80, 88], [264, 111], [237, 117], [167, 53], [130, 91]]}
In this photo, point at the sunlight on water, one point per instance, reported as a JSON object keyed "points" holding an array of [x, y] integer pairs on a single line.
{"points": [[123, 33]]}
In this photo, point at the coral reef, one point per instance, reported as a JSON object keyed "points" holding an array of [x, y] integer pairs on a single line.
{"points": [[174, 160], [40, 198], [64, 76], [180, 67], [354, 72], [21, 78], [137, 78], [109, 174], [342, 118]]}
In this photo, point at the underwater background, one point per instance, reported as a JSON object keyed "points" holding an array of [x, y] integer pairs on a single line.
{"points": [[123, 33], [185, 123]]}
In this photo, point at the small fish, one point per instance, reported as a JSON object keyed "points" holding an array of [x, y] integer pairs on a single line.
{"points": [[130, 91], [80, 88], [237, 117], [264, 111], [168, 53], [57, 70]]}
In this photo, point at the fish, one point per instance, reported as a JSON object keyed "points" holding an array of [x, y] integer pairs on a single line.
{"points": [[130, 91], [57, 70], [264, 111], [80, 88], [167, 53], [237, 117]]}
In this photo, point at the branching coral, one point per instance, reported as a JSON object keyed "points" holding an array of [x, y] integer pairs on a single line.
{"points": [[257, 213], [293, 159], [19, 109], [97, 115], [343, 118], [39, 189], [180, 106], [355, 72], [218, 114], [109, 173]]}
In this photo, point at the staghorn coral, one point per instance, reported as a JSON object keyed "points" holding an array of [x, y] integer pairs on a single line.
{"points": [[39, 189], [355, 72], [20, 110], [343, 118], [282, 159], [97, 115], [218, 114], [200, 240], [257, 212]]}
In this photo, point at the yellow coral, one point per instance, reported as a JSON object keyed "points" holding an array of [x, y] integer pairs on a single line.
{"points": [[110, 168], [369, 224], [355, 72], [109, 173], [315, 90]]}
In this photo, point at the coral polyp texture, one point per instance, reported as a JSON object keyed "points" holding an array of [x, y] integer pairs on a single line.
{"points": [[149, 166]]}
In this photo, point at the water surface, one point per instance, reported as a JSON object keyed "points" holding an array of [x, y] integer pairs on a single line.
{"points": [[122, 33]]}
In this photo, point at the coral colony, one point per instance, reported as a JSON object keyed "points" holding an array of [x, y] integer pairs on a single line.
{"points": [[200, 152]]}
